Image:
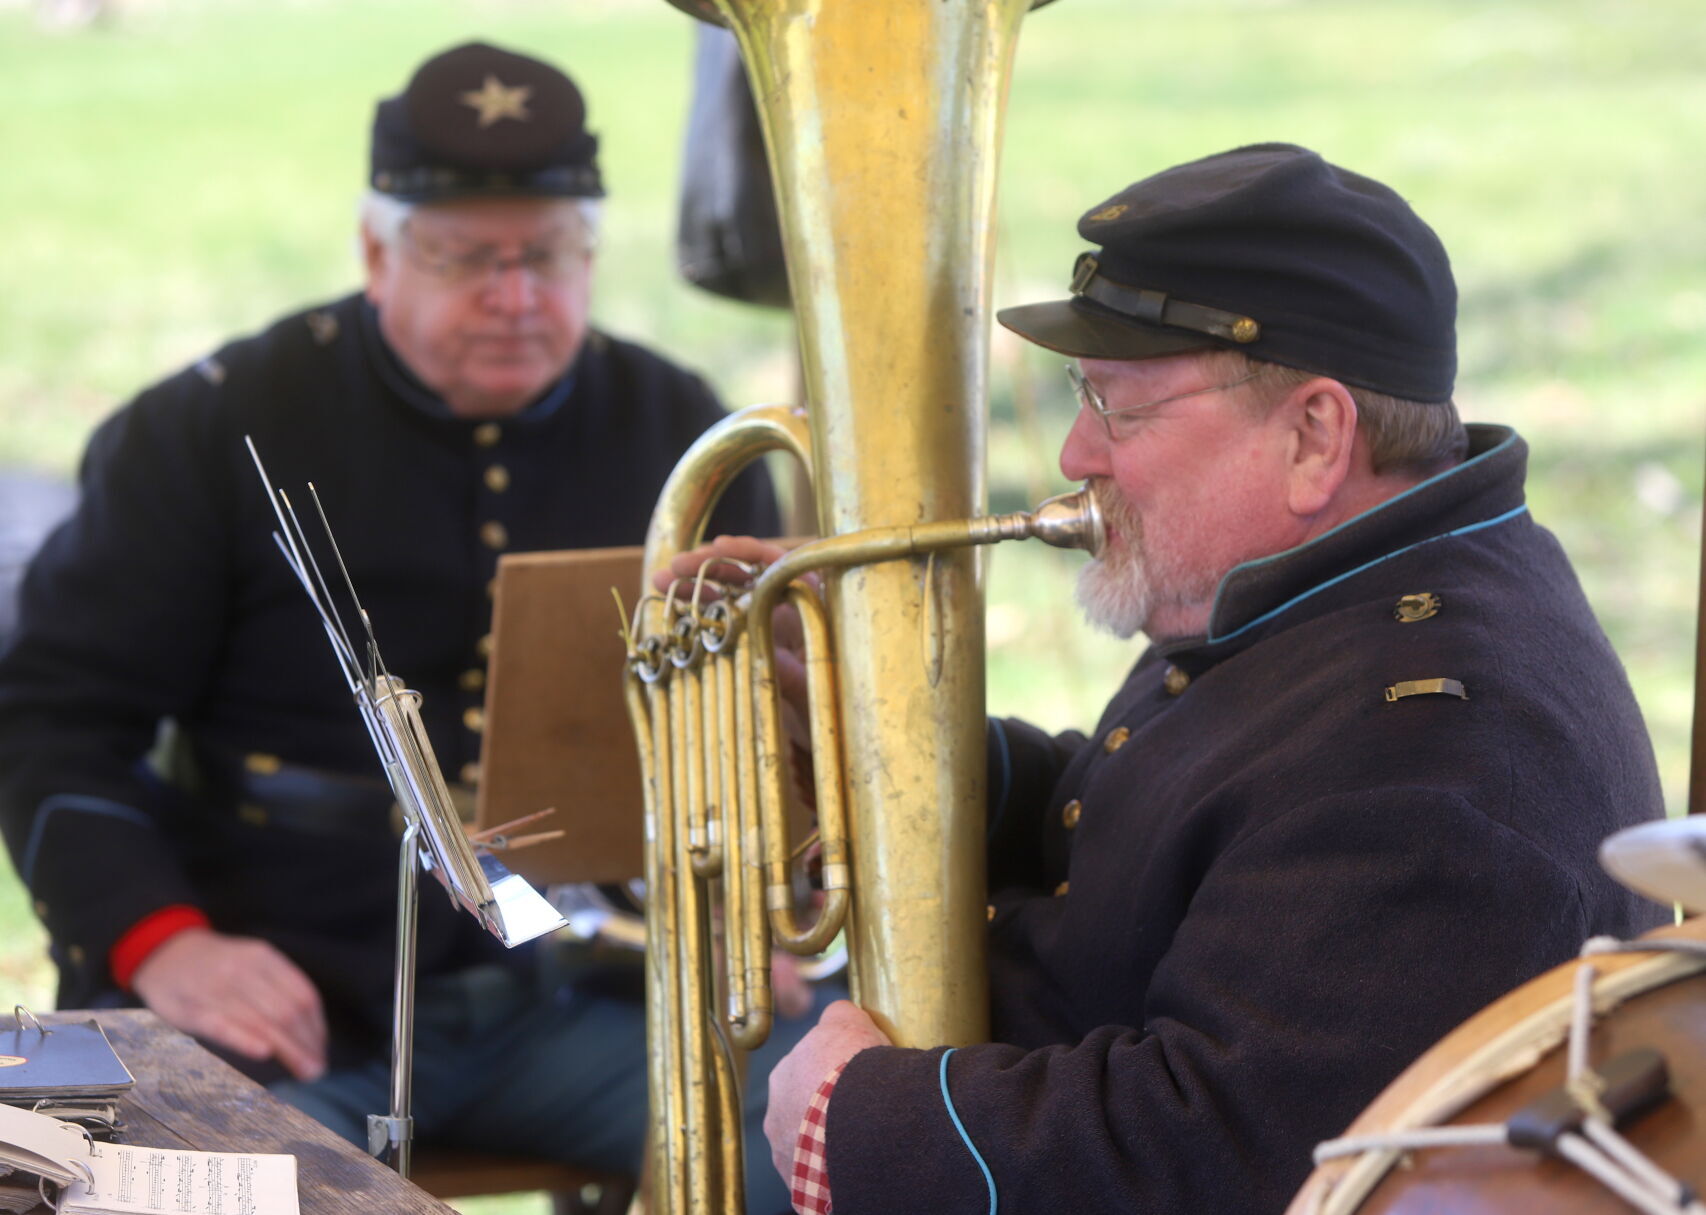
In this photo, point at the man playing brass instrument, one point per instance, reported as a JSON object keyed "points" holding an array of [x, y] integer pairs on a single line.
{"points": [[1350, 793]]}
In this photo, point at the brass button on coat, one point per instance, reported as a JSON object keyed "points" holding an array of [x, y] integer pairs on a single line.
{"points": [[1175, 681], [1070, 813], [261, 764], [1062, 889], [470, 774], [474, 719], [1115, 739], [494, 535], [991, 910], [483, 647], [472, 680], [487, 434], [497, 478]]}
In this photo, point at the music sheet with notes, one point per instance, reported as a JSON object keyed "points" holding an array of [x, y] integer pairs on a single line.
{"points": [[121, 1179], [160, 1181]]}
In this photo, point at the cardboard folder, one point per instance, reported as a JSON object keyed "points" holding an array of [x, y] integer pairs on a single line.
{"points": [[556, 724]]}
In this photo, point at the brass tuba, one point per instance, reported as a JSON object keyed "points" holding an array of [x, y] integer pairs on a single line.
{"points": [[882, 119]]}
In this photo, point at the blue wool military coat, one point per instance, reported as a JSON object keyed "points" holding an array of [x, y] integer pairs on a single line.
{"points": [[1226, 919], [164, 596]]}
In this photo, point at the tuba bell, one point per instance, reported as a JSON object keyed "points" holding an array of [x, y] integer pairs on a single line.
{"points": [[882, 119]]}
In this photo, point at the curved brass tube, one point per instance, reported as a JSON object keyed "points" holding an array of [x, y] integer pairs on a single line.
{"points": [[773, 775]]}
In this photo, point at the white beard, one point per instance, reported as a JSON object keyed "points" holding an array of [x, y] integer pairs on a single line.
{"points": [[1121, 591], [1114, 594], [1115, 591]]}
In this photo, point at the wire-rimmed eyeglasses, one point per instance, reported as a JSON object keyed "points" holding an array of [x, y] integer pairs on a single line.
{"points": [[1089, 398], [552, 261]]}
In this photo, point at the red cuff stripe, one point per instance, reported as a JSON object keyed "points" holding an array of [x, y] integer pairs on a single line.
{"points": [[148, 934]]}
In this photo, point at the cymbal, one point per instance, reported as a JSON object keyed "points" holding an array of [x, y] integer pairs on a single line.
{"points": [[1664, 860]]}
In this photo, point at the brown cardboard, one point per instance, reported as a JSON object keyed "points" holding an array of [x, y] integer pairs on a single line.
{"points": [[556, 727]]}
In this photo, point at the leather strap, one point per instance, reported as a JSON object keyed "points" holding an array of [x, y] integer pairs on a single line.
{"points": [[1157, 307]]}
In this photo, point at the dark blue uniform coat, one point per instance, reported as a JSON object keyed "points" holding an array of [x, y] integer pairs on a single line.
{"points": [[1224, 921], [164, 596]]}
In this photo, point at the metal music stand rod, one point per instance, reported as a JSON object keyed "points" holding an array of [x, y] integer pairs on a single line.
{"points": [[391, 1138]]}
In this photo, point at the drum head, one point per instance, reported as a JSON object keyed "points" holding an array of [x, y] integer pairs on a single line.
{"points": [[1508, 1056]]}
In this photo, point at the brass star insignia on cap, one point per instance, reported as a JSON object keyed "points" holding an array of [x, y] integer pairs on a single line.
{"points": [[495, 101]]}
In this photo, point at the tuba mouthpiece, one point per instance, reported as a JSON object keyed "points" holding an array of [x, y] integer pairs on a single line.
{"points": [[1071, 520]]}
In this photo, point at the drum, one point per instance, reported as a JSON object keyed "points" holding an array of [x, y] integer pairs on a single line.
{"points": [[1514, 1059]]}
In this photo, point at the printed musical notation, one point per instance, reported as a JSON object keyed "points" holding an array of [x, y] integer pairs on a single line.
{"points": [[127, 1180]]}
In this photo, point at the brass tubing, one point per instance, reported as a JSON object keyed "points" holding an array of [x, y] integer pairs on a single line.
{"points": [[708, 811], [829, 783], [785, 929], [717, 779], [699, 1128], [733, 879], [753, 1026], [1068, 521], [648, 705], [689, 681], [730, 1159], [701, 475]]}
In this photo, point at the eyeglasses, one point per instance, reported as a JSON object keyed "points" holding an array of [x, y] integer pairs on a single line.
{"points": [[552, 262], [1116, 421]]}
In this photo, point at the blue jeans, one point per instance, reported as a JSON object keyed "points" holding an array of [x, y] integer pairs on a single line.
{"points": [[505, 1063]]}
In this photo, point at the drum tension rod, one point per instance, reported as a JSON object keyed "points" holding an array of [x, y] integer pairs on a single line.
{"points": [[1633, 1083]]}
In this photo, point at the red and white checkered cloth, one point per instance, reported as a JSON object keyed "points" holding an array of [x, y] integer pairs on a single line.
{"points": [[809, 1186]]}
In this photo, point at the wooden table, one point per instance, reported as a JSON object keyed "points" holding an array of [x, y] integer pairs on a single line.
{"points": [[186, 1098]]}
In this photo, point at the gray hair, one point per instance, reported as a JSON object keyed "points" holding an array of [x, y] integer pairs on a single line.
{"points": [[384, 215], [1403, 436]]}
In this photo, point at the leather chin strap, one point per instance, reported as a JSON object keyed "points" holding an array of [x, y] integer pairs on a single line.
{"points": [[1157, 307]]}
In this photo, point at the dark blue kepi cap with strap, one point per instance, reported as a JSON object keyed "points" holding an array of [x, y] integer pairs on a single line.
{"points": [[1270, 250], [478, 120]]}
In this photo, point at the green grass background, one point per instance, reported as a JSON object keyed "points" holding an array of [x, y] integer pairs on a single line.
{"points": [[189, 170]]}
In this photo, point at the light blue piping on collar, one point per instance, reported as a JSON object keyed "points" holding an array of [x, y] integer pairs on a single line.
{"points": [[961, 1128], [1314, 590], [1510, 438]]}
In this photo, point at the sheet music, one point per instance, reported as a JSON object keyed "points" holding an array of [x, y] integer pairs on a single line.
{"points": [[131, 1180]]}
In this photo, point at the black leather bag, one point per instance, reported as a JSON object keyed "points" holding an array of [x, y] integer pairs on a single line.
{"points": [[729, 240]]}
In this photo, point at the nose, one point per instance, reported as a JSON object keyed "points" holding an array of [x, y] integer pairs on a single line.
{"points": [[512, 289], [1084, 454]]}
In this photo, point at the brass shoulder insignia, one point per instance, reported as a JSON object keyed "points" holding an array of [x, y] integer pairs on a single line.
{"points": [[1420, 606], [1427, 687]]}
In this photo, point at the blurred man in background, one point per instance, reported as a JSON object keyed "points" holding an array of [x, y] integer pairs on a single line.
{"points": [[243, 883]]}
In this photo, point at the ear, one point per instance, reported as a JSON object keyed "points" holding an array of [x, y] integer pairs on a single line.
{"points": [[1322, 422], [376, 261]]}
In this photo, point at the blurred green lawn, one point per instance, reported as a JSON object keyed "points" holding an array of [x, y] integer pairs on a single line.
{"points": [[190, 171]]}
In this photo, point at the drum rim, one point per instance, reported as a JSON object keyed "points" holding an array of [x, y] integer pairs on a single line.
{"points": [[1430, 1092]]}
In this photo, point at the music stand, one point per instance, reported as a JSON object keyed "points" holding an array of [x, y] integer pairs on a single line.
{"points": [[433, 838]]}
